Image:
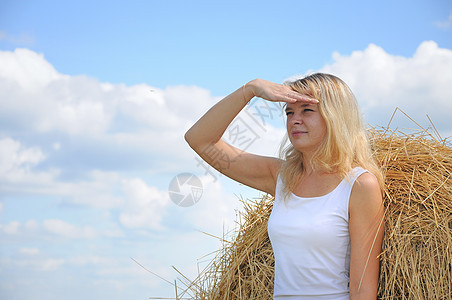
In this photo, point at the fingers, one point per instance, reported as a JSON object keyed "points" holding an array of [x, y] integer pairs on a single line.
{"points": [[278, 92], [292, 97]]}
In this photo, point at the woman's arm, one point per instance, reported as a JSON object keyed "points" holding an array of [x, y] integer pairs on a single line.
{"points": [[366, 228], [205, 135]]}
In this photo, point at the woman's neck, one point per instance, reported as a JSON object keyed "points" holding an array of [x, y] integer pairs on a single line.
{"points": [[307, 163]]}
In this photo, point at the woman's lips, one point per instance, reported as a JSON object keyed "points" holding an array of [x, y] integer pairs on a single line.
{"points": [[298, 133]]}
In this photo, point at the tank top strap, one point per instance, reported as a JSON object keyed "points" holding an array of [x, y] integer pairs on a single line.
{"points": [[355, 173]]}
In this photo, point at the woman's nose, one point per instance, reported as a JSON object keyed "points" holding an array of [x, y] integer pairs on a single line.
{"points": [[297, 120]]}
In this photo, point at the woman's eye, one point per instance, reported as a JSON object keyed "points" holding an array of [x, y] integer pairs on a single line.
{"points": [[289, 113], [307, 109]]}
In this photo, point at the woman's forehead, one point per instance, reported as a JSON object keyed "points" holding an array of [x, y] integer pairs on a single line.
{"points": [[291, 106]]}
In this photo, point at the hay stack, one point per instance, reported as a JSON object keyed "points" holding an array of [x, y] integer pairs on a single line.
{"points": [[416, 262]]}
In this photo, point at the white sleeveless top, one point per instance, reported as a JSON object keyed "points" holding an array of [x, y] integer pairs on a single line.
{"points": [[311, 243]]}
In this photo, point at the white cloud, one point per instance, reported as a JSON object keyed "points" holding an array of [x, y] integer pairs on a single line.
{"points": [[418, 85], [23, 39], [56, 146], [142, 206], [31, 225], [145, 205], [16, 163], [12, 155], [11, 228], [57, 230], [91, 260], [97, 190], [66, 230], [131, 125], [44, 100], [215, 209], [27, 69], [49, 264], [445, 24], [34, 263], [29, 251]]}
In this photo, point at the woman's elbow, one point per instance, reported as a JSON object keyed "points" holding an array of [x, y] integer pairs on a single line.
{"points": [[193, 139], [198, 139], [188, 136]]}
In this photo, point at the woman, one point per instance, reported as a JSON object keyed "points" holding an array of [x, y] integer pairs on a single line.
{"points": [[326, 223]]}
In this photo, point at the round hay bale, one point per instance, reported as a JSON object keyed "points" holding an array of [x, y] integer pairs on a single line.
{"points": [[416, 262], [416, 259]]}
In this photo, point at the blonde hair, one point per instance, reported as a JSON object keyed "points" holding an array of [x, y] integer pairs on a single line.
{"points": [[345, 145]]}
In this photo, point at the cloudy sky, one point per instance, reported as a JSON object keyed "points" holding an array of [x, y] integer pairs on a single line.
{"points": [[95, 97]]}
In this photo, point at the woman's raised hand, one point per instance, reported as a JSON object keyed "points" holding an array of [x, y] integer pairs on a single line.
{"points": [[277, 92]]}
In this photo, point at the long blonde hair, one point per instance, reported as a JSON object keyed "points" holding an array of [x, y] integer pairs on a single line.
{"points": [[345, 145]]}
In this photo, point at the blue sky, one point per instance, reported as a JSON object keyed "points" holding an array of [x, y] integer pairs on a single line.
{"points": [[95, 97]]}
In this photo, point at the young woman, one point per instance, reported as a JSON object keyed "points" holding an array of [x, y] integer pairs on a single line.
{"points": [[326, 224]]}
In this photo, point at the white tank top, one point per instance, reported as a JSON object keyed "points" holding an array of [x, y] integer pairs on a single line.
{"points": [[311, 243]]}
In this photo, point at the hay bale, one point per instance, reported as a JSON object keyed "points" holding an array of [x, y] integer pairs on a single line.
{"points": [[416, 261]]}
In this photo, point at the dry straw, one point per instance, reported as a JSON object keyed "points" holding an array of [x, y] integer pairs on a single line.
{"points": [[416, 259]]}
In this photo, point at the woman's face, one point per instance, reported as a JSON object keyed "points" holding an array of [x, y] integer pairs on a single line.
{"points": [[306, 127]]}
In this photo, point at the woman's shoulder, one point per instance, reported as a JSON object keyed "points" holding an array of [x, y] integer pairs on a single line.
{"points": [[366, 181], [366, 192]]}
